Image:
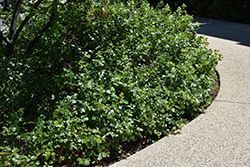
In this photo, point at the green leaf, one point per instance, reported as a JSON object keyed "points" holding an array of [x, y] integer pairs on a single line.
{"points": [[83, 161], [47, 155], [99, 140], [85, 139]]}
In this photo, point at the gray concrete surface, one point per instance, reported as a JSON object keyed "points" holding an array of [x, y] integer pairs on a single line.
{"points": [[220, 137]]}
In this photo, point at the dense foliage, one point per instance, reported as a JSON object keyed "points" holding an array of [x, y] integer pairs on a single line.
{"points": [[232, 10], [98, 74]]}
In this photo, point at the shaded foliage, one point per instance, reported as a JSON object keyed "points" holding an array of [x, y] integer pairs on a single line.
{"points": [[82, 77], [232, 10]]}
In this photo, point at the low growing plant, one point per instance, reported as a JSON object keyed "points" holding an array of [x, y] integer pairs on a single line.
{"points": [[101, 76]]}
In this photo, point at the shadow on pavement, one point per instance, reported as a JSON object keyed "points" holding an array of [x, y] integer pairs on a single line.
{"points": [[237, 32]]}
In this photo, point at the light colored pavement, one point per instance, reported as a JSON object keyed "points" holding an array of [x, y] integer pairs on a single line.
{"points": [[221, 136]]}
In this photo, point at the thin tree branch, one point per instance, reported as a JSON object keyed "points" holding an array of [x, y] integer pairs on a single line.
{"points": [[14, 34], [37, 37], [14, 18], [26, 20], [49, 24], [10, 45]]}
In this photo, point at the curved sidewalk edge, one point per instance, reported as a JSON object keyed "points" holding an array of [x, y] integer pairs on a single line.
{"points": [[221, 136]]}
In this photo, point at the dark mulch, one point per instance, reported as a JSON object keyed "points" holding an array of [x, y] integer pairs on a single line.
{"points": [[216, 88]]}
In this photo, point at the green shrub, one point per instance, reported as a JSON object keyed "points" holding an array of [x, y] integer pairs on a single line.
{"points": [[99, 78], [232, 10]]}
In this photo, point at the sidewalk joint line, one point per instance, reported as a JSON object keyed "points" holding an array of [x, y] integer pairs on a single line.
{"points": [[232, 102]]}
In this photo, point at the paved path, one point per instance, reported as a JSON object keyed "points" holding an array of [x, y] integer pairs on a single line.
{"points": [[221, 136]]}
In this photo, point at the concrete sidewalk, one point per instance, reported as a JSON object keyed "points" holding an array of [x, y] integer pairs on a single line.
{"points": [[221, 136]]}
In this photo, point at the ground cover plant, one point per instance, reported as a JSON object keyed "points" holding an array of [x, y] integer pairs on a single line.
{"points": [[80, 78]]}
